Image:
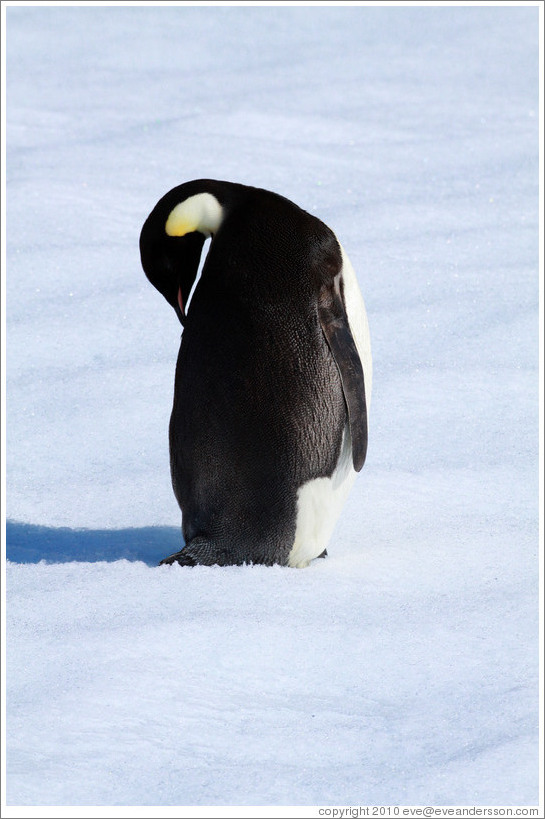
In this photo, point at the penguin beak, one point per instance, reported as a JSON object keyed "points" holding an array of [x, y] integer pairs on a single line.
{"points": [[171, 264], [186, 282], [179, 307]]}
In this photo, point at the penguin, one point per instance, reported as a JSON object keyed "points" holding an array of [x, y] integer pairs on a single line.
{"points": [[269, 422]]}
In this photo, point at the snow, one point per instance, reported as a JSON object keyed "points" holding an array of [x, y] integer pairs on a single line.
{"points": [[403, 669]]}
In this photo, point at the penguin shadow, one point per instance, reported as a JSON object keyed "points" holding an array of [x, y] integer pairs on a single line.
{"points": [[28, 543]]}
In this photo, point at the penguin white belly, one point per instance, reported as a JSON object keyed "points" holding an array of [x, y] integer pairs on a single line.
{"points": [[319, 504]]}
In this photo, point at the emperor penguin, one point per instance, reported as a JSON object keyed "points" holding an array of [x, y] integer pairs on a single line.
{"points": [[269, 423]]}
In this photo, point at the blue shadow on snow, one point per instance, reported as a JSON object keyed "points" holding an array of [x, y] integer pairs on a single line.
{"points": [[26, 543]]}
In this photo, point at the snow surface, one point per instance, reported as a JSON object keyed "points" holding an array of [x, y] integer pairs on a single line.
{"points": [[402, 669]]}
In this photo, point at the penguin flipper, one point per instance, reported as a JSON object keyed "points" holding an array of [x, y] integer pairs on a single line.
{"points": [[337, 332]]}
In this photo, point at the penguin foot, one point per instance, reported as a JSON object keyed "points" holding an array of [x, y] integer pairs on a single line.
{"points": [[200, 552], [182, 558]]}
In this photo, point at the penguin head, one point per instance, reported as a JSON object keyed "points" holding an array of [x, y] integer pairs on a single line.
{"points": [[172, 239]]}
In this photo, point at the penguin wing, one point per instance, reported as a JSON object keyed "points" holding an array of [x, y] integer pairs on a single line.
{"points": [[336, 329]]}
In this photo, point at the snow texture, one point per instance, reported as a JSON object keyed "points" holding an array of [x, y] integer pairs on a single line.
{"points": [[402, 669]]}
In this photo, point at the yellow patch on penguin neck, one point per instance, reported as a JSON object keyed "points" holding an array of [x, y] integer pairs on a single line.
{"points": [[202, 213]]}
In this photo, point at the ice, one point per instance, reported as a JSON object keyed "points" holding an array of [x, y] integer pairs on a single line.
{"points": [[403, 669]]}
